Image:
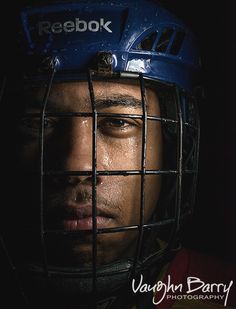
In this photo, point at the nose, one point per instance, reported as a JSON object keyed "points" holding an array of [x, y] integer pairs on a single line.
{"points": [[78, 156], [73, 150], [78, 145]]}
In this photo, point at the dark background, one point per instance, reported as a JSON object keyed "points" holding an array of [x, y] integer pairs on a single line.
{"points": [[213, 226]]}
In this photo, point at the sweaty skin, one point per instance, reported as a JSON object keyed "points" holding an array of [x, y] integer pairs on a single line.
{"points": [[68, 146]]}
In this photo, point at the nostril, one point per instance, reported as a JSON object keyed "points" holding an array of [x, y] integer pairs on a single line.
{"points": [[74, 180], [85, 180]]}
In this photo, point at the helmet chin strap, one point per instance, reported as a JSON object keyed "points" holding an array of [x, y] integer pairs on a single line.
{"points": [[74, 289]]}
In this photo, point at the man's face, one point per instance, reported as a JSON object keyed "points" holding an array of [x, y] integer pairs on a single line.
{"points": [[68, 146]]}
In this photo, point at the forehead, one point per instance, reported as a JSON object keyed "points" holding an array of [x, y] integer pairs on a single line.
{"points": [[76, 95]]}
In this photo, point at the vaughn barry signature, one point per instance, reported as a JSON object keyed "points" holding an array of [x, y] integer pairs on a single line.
{"points": [[194, 284]]}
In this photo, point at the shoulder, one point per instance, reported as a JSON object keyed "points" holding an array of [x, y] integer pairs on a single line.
{"points": [[209, 266], [217, 274], [197, 280]]}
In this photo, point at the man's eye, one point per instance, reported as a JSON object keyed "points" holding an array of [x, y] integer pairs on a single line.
{"points": [[113, 122], [35, 123], [32, 125], [120, 127]]}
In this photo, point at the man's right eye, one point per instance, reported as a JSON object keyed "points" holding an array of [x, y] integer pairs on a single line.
{"points": [[30, 123], [31, 126]]}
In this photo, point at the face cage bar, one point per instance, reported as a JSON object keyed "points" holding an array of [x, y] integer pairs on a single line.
{"points": [[142, 226]]}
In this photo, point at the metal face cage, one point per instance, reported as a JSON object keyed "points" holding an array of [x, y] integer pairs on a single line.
{"points": [[180, 132]]}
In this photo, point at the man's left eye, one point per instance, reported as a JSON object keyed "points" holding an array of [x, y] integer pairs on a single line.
{"points": [[116, 123], [118, 127]]}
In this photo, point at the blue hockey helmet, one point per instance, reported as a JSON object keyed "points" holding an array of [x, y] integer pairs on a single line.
{"points": [[140, 37]]}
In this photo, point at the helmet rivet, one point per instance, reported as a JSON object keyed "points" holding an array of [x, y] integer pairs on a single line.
{"points": [[104, 62]]}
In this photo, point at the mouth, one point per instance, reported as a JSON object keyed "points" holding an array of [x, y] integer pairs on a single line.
{"points": [[76, 218], [85, 223]]}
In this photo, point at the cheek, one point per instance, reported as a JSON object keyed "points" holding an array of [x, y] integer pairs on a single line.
{"points": [[126, 154], [29, 156], [154, 162], [152, 193], [154, 146], [119, 154], [123, 194]]}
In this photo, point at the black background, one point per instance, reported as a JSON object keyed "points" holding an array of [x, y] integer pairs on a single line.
{"points": [[213, 226]]}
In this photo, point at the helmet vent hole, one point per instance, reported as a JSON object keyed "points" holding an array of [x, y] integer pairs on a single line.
{"points": [[177, 43], [164, 40], [148, 42]]}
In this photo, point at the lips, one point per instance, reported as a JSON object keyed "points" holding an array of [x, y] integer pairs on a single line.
{"points": [[85, 223], [75, 217]]}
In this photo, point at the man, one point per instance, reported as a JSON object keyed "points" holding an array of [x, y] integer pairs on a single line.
{"points": [[105, 159]]}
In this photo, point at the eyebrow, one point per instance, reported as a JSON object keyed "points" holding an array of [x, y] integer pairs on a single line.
{"points": [[100, 103], [118, 100]]}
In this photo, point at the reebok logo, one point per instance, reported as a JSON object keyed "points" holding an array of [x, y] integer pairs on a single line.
{"points": [[78, 25]]}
